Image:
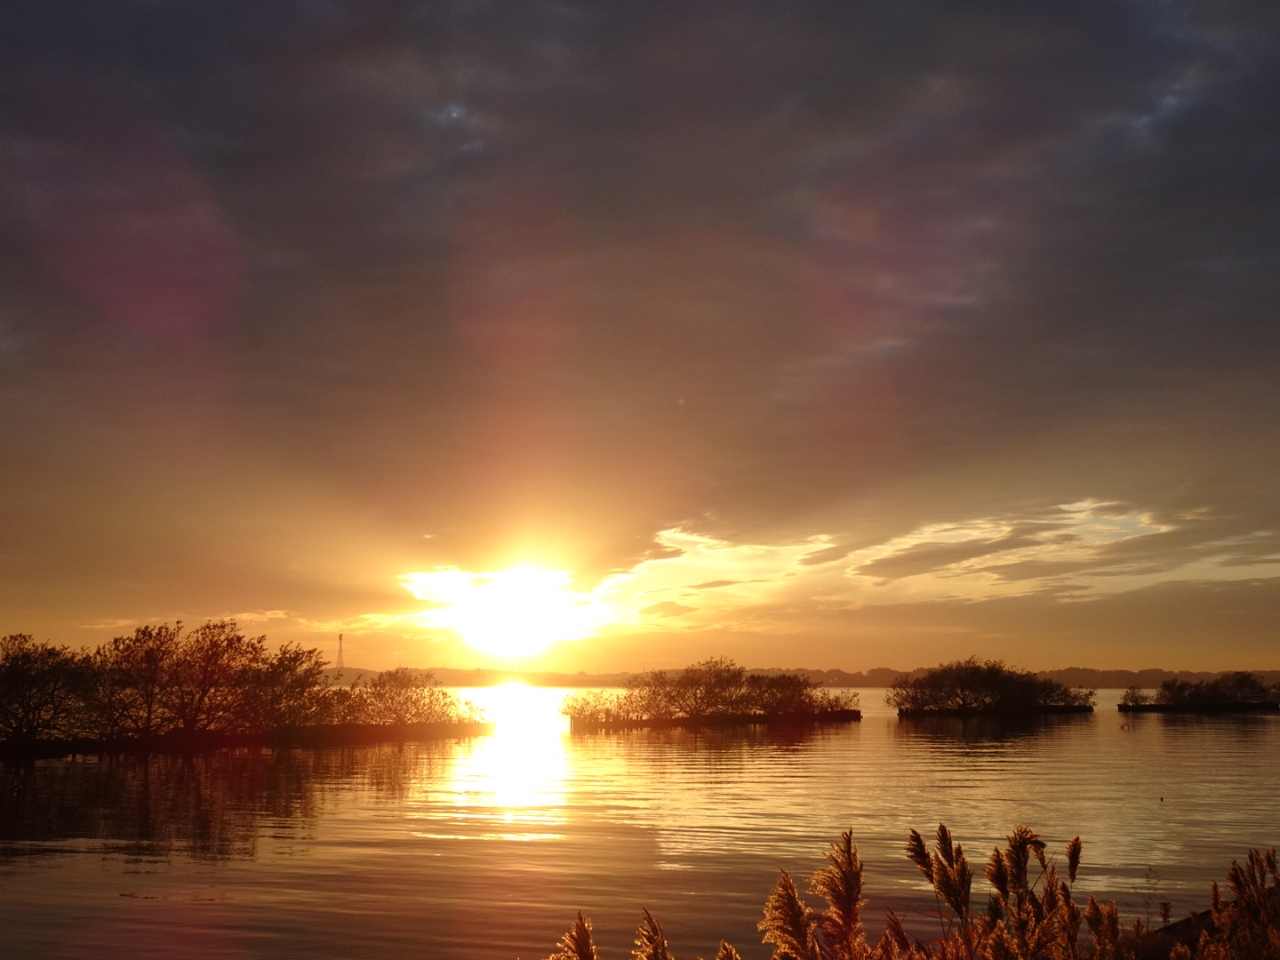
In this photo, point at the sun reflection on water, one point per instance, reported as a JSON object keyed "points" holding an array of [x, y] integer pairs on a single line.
{"points": [[515, 778]]}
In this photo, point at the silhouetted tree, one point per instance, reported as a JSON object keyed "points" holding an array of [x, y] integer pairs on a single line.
{"points": [[346, 704], [716, 685], [1239, 687], [780, 694], [290, 688], [407, 696], [40, 688], [130, 673], [649, 695], [210, 678], [981, 686]]}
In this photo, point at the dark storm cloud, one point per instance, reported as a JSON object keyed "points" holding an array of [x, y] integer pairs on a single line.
{"points": [[524, 273]]}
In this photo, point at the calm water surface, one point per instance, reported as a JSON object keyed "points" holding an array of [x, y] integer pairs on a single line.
{"points": [[486, 848]]}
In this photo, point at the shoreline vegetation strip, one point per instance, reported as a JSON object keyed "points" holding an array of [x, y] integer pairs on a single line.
{"points": [[1235, 692], [166, 688], [716, 721], [169, 688], [710, 693]]}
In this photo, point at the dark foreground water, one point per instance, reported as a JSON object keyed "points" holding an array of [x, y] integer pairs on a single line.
{"points": [[486, 848]]}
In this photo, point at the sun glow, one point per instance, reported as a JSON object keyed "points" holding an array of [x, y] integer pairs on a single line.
{"points": [[513, 613]]}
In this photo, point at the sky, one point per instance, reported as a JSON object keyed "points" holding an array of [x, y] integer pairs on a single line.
{"points": [[825, 334]]}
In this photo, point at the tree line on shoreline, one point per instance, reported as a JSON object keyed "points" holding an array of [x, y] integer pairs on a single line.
{"points": [[977, 687], [719, 688], [1238, 688], [1074, 677], [1030, 914], [716, 687], [167, 680]]}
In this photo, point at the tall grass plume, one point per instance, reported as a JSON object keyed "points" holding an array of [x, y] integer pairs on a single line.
{"points": [[1031, 913]]}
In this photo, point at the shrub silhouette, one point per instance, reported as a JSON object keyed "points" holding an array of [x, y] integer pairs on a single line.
{"points": [[1239, 687], [710, 688], [1135, 697], [976, 686]]}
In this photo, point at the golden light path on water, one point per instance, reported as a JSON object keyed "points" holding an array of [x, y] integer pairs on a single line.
{"points": [[516, 779]]}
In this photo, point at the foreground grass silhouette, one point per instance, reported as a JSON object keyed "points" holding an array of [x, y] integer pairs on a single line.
{"points": [[1027, 917]]}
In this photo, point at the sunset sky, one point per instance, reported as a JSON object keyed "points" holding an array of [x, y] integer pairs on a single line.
{"points": [[813, 334]]}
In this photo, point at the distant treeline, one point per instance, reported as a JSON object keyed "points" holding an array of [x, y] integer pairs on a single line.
{"points": [[976, 687], [878, 677], [1082, 677], [711, 688], [1031, 913], [1143, 679], [166, 680], [1230, 689]]}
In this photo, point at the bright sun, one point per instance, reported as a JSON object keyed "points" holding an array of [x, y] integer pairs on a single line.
{"points": [[511, 613]]}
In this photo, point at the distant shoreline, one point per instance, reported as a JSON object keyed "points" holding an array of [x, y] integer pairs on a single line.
{"points": [[1204, 708], [878, 677], [321, 735], [716, 721], [996, 713]]}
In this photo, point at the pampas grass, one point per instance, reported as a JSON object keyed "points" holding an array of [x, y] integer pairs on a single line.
{"points": [[576, 944], [1031, 913], [839, 884], [651, 944]]}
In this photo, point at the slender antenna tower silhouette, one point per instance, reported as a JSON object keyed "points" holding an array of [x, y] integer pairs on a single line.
{"points": [[340, 664]]}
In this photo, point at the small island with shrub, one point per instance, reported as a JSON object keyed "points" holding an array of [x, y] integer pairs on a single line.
{"points": [[983, 688], [165, 688], [713, 693], [1237, 692]]}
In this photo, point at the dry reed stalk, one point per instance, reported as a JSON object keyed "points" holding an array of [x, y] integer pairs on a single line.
{"points": [[788, 923], [840, 885], [651, 944], [576, 944], [1030, 914]]}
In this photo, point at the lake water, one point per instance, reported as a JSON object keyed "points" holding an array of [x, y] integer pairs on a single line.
{"points": [[486, 848]]}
